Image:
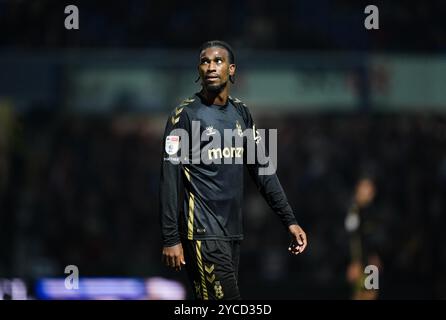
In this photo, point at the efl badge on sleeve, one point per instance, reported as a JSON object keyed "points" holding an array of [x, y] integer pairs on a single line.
{"points": [[172, 144]]}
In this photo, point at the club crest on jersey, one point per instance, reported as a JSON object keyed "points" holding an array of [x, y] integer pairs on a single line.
{"points": [[256, 135], [172, 144], [210, 131], [239, 129]]}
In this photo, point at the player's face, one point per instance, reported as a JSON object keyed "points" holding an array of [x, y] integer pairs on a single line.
{"points": [[215, 69], [365, 192]]}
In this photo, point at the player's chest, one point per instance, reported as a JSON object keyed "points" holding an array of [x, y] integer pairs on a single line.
{"points": [[212, 121]]}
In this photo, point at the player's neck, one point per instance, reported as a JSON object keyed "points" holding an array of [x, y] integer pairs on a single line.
{"points": [[216, 98]]}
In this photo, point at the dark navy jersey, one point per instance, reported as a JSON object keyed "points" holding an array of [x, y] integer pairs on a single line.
{"points": [[201, 187]]}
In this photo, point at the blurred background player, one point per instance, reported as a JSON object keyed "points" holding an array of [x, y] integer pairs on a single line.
{"points": [[362, 225]]}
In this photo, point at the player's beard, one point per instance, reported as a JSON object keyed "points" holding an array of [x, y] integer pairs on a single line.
{"points": [[215, 88]]}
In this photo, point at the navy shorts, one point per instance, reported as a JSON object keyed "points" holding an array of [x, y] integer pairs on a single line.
{"points": [[212, 268]]}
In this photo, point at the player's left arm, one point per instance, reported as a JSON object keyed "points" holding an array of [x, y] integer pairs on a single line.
{"points": [[272, 191]]}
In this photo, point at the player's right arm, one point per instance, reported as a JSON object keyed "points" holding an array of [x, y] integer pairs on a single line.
{"points": [[169, 192]]}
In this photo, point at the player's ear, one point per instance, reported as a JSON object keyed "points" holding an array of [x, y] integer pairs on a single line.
{"points": [[232, 69], [232, 73]]}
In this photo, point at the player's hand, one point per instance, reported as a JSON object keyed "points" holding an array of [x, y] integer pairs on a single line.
{"points": [[173, 256], [298, 239]]}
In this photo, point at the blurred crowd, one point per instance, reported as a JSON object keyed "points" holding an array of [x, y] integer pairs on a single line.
{"points": [[83, 190], [288, 24]]}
